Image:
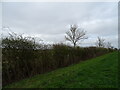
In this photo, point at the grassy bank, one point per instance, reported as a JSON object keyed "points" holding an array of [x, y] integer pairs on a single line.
{"points": [[98, 72]]}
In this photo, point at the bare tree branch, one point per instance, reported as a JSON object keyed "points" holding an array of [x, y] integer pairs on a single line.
{"points": [[100, 42], [75, 34]]}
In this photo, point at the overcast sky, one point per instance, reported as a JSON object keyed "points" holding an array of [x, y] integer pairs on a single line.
{"points": [[50, 21]]}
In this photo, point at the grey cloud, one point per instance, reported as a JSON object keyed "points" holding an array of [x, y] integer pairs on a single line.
{"points": [[50, 21], [102, 27]]}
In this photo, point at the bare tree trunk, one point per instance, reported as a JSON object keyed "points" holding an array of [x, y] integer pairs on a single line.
{"points": [[74, 45]]}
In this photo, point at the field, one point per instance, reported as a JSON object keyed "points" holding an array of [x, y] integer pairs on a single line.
{"points": [[99, 72]]}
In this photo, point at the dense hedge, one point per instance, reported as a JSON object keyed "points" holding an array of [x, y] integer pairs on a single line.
{"points": [[20, 62]]}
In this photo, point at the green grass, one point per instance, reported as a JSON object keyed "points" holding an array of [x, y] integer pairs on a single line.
{"points": [[100, 72]]}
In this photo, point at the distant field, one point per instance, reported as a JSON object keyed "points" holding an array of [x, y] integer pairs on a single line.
{"points": [[100, 72]]}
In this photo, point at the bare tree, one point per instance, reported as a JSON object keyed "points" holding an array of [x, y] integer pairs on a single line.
{"points": [[108, 45], [100, 42], [75, 34]]}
